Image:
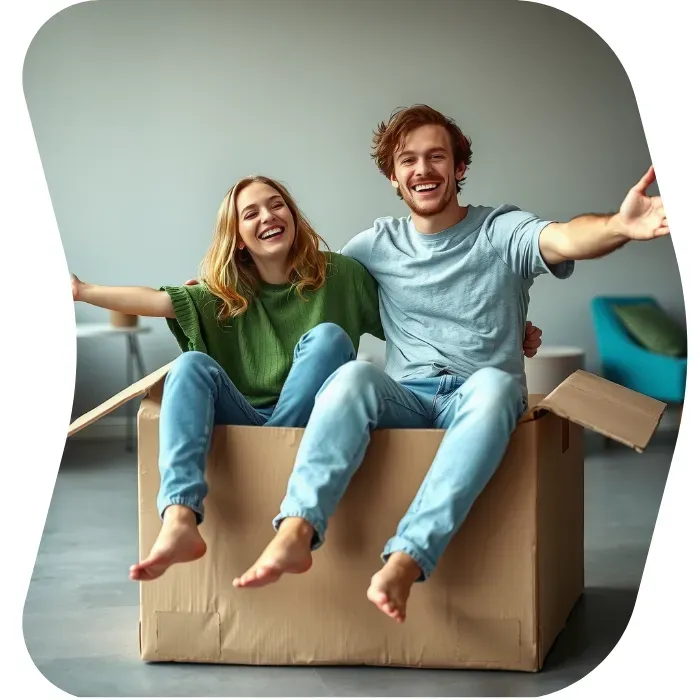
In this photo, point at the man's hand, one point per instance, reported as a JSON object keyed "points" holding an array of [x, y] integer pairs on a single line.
{"points": [[589, 236], [641, 217], [533, 339]]}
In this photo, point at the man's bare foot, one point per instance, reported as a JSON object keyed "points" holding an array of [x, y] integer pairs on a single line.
{"points": [[390, 587], [179, 541], [289, 552]]}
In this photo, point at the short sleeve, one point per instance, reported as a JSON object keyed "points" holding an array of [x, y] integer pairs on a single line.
{"points": [[369, 300], [515, 236], [360, 248], [186, 326]]}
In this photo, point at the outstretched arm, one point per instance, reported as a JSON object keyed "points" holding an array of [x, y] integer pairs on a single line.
{"points": [[589, 236], [136, 301]]}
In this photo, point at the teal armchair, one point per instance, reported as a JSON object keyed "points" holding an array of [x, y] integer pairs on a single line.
{"points": [[626, 362]]}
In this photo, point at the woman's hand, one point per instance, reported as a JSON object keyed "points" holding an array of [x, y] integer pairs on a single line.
{"points": [[77, 287]]}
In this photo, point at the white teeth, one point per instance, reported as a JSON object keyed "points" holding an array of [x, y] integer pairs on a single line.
{"points": [[423, 188], [270, 233]]}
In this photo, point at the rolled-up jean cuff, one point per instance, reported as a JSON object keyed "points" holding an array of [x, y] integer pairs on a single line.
{"points": [[319, 530], [194, 507], [398, 544]]}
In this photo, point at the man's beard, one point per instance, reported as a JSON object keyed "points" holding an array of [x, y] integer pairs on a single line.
{"points": [[427, 209]]}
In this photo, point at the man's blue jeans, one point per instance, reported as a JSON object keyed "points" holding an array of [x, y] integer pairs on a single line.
{"points": [[479, 415]]}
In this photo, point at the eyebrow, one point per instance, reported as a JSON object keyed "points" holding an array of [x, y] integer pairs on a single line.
{"points": [[430, 150], [269, 199]]}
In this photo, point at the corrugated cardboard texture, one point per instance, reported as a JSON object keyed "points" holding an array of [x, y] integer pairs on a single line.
{"points": [[560, 520], [188, 636], [608, 408], [476, 611]]}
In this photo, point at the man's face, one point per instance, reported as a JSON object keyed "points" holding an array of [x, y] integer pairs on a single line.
{"points": [[424, 171]]}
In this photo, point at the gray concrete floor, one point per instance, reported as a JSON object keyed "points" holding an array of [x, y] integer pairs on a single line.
{"points": [[81, 613]]}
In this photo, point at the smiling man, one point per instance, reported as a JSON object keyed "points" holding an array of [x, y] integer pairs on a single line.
{"points": [[454, 287]]}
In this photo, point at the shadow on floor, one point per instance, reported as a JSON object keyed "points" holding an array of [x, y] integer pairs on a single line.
{"points": [[595, 626]]}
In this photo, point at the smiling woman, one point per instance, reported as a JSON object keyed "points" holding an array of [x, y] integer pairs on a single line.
{"points": [[261, 235], [271, 318]]}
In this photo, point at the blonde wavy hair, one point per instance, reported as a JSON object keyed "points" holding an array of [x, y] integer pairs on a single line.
{"points": [[230, 273]]}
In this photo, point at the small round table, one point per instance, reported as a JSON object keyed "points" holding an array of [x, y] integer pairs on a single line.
{"points": [[551, 366]]}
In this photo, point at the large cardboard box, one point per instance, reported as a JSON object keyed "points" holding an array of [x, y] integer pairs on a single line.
{"points": [[497, 600]]}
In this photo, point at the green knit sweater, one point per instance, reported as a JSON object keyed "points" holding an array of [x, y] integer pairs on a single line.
{"points": [[256, 349]]}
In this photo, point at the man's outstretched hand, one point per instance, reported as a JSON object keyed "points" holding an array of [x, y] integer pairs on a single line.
{"points": [[642, 217]]}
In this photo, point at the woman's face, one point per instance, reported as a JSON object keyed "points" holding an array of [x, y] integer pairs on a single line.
{"points": [[265, 223]]}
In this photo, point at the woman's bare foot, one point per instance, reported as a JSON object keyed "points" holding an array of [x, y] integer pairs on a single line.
{"points": [[390, 587], [179, 541], [289, 552]]}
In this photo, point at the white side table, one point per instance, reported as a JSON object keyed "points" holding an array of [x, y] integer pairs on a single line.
{"points": [[551, 366], [134, 359]]}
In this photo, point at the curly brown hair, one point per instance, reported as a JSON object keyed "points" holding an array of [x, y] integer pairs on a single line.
{"points": [[389, 138]]}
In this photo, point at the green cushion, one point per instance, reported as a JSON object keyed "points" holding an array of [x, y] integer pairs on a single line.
{"points": [[652, 328]]}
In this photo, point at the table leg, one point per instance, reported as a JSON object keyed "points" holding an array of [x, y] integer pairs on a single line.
{"points": [[130, 418], [137, 354]]}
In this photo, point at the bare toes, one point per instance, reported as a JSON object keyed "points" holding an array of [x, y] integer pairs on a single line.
{"points": [[261, 576]]}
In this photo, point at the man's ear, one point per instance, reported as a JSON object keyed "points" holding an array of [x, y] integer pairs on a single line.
{"points": [[394, 181], [459, 172]]}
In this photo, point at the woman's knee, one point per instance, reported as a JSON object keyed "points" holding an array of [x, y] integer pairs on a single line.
{"points": [[330, 339], [192, 361]]}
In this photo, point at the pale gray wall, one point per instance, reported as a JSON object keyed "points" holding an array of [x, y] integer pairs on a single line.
{"points": [[146, 112]]}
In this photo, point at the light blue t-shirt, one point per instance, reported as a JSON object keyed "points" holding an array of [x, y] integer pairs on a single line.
{"points": [[455, 300]]}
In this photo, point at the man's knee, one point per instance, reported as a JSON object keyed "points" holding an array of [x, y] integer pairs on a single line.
{"points": [[352, 381], [493, 389]]}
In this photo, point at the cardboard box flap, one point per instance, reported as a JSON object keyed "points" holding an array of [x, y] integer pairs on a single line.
{"points": [[139, 388], [605, 407]]}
